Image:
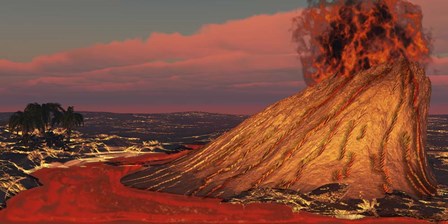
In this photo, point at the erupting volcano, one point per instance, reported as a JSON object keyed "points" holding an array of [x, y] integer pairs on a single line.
{"points": [[361, 123], [347, 36]]}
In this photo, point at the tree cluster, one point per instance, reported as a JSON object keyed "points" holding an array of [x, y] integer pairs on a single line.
{"points": [[41, 119]]}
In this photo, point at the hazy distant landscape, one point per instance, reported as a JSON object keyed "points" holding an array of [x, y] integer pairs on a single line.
{"points": [[171, 129]]}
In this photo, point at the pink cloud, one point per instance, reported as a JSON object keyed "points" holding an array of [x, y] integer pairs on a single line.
{"points": [[268, 84], [51, 80], [439, 80], [434, 19], [217, 52], [262, 34], [438, 66]]}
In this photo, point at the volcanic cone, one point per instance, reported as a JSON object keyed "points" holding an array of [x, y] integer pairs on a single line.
{"points": [[367, 131]]}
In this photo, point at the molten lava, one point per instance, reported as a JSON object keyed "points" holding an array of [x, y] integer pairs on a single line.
{"points": [[344, 37]]}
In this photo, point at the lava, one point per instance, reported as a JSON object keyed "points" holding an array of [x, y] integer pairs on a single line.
{"points": [[93, 194], [343, 37]]}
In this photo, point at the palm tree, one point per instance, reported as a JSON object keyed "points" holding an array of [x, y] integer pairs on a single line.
{"points": [[70, 120], [23, 122], [34, 111], [14, 123], [43, 118], [52, 114]]}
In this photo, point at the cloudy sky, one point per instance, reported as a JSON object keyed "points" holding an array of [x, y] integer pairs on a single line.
{"points": [[141, 56]]}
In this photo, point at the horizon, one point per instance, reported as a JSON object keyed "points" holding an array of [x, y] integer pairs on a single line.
{"points": [[187, 111], [146, 62], [174, 112]]}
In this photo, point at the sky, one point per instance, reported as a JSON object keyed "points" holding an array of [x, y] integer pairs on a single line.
{"points": [[137, 56]]}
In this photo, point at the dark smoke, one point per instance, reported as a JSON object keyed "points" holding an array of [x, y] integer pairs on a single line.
{"points": [[342, 37]]}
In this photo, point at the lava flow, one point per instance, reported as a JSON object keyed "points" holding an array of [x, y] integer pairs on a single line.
{"points": [[344, 37], [93, 194]]}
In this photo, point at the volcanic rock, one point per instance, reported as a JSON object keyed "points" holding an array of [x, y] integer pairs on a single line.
{"points": [[366, 131], [13, 180]]}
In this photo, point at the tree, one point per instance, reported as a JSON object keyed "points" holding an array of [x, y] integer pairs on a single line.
{"points": [[70, 120], [34, 112], [23, 122], [52, 114], [43, 118]]}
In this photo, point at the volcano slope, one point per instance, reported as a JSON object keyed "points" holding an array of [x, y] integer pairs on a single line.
{"points": [[367, 131]]}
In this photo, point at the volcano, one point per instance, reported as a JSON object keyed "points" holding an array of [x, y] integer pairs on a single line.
{"points": [[366, 131]]}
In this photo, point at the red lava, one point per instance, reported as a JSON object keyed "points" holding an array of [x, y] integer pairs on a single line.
{"points": [[93, 194]]}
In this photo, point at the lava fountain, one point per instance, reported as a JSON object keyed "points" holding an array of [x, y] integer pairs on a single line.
{"points": [[361, 123], [344, 37]]}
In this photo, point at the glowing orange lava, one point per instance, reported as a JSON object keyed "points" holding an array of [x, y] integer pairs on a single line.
{"points": [[93, 194], [344, 37]]}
